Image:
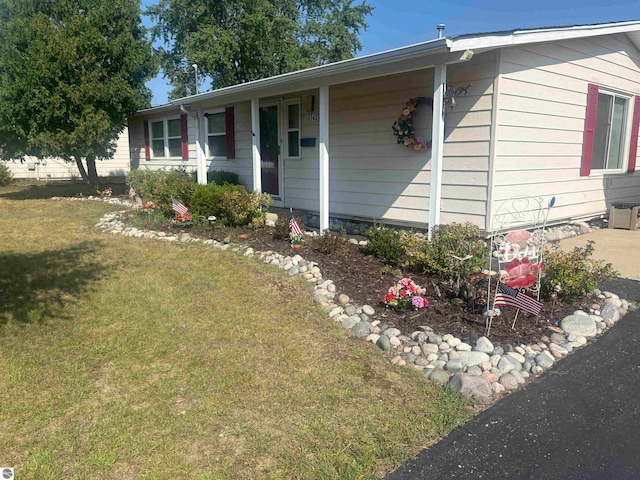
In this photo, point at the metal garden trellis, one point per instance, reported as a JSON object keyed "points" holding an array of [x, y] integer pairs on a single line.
{"points": [[517, 233]]}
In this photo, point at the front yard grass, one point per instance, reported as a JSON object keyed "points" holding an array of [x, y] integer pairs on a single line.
{"points": [[126, 358]]}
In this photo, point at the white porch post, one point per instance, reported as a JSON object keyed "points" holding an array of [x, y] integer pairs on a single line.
{"points": [[437, 144], [201, 160], [255, 142], [324, 158]]}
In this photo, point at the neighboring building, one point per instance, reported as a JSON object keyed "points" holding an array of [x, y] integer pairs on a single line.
{"points": [[56, 168], [551, 112]]}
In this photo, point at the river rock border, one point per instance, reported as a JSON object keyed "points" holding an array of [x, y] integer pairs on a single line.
{"points": [[472, 365]]}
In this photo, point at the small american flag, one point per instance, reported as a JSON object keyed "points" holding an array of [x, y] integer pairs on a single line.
{"points": [[294, 227], [510, 297], [179, 208]]}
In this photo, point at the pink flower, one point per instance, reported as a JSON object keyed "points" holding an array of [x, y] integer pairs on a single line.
{"points": [[392, 291], [419, 302]]}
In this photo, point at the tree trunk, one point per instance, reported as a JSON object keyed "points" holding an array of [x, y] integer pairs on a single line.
{"points": [[92, 171], [83, 172]]}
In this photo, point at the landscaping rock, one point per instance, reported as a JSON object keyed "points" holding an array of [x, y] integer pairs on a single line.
{"points": [[439, 376], [361, 329], [508, 381], [610, 311], [454, 364], [349, 322], [544, 360], [579, 325], [471, 385], [367, 309], [383, 343], [435, 338], [343, 299], [391, 332], [483, 344], [473, 358]]}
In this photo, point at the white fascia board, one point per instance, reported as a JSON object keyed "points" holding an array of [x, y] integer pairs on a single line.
{"points": [[520, 37], [440, 45]]}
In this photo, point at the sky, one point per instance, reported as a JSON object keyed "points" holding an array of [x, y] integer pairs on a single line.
{"points": [[397, 23]]}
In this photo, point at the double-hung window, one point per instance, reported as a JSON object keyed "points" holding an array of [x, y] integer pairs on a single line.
{"points": [[292, 108], [610, 137], [166, 138], [216, 134]]}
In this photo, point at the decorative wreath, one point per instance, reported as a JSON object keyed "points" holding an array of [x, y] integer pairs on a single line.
{"points": [[403, 126]]}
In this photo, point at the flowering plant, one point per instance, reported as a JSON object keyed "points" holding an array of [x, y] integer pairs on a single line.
{"points": [[148, 207], [406, 295], [403, 126], [106, 192], [185, 217]]}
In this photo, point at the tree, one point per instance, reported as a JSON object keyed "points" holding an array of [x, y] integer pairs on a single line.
{"points": [[70, 73], [237, 41]]}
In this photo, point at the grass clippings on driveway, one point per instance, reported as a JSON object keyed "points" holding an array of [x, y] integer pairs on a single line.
{"points": [[126, 358]]}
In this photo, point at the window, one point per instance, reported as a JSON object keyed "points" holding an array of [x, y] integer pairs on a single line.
{"points": [[293, 128], [166, 138], [610, 132], [216, 134]]}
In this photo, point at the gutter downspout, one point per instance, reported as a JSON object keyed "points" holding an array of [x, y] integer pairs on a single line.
{"points": [[201, 165]]}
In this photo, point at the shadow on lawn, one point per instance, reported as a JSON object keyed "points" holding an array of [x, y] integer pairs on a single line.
{"points": [[69, 188], [33, 286]]}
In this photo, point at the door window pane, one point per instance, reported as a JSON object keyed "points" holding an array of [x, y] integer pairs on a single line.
{"points": [[294, 115], [294, 144], [609, 136]]}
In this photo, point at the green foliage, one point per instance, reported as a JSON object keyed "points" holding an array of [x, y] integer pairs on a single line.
{"points": [[385, 243], [576, 272], [282, 230], [329, 243], [231, 204], [221, 177], [6, 177], [236, 41], [447, 242], [70, 73], [161, 186]]}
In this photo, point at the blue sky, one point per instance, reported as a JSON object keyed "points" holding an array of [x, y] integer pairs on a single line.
{"points": [[397, 23]]}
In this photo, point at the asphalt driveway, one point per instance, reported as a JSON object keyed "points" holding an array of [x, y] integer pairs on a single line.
{"points": [[578, 421]]}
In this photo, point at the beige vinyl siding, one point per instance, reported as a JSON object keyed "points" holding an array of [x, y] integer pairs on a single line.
{"points": [[540, 121], [57, 168], [372, 177]]}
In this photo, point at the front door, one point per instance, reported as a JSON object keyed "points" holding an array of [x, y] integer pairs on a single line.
{"points": [[270, 151]]}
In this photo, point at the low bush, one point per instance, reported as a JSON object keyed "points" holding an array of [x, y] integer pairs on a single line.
{"points": [[231, 204], [385, 243], [573, 274], [222, 177], [282, 229], [6, 176], [161, 186], [459, 240], [329, 243]]}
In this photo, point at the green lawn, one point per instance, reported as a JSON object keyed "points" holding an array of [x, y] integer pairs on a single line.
{"points": [[127, 358]]}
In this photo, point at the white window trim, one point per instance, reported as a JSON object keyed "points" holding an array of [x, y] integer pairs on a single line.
{"points": [[285, 108], [207, 153], [627, 133], [165, 131]]}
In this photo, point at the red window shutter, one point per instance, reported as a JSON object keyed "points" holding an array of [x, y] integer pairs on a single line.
{"points": [[230, 132], [633, 149], [589, 130], [184, 131], [147, 149]]}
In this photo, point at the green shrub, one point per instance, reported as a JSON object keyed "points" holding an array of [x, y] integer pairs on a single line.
{"points": [[281, 230], [576, 272], [450, 241], [221, 177], [231, 204], [161, 186], [385, 243], [329, 243], [6, 176]]}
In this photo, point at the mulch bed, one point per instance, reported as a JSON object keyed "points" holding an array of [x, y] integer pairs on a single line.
{"points": [[365, 279]]}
